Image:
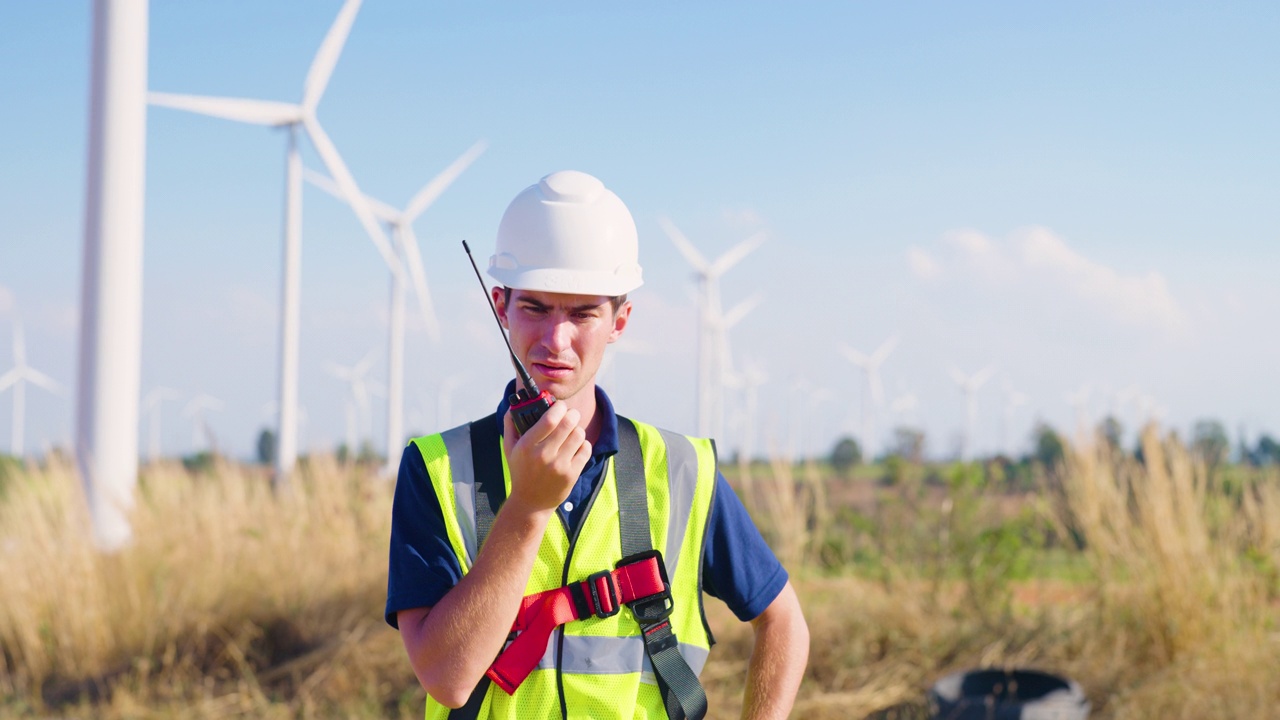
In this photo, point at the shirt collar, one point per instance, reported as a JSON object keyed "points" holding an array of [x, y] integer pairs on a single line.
{"points": [[606, 444]]}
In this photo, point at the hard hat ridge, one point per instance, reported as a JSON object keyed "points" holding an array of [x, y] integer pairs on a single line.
{"points": [[567, 233]]}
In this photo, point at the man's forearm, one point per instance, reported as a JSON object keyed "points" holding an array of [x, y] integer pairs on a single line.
{"points": [[778, 660], [452, 645]]}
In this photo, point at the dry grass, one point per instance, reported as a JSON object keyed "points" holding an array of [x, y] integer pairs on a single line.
{"points": [[1155, 585]]}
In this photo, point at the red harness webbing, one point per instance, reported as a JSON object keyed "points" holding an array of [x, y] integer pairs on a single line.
{"points": [[600, 595]]}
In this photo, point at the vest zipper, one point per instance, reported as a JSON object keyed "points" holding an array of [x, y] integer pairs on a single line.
{"points": [[564, 580]]}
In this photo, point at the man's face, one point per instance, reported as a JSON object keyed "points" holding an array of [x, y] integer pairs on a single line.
{"points": [[561, 338]]}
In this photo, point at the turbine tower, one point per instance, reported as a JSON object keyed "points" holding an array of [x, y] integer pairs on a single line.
{"points": [[108, 372], [710, 317], [873, 396], [409, 258], [969, 385], [17, 378], [295, 117]]}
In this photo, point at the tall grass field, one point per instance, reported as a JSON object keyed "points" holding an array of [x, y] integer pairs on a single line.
{"points": [[1154, 583]]}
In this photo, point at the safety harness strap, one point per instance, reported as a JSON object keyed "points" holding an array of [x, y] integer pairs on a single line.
{"points": [[491, 487], [491, 490], [682, 694]]}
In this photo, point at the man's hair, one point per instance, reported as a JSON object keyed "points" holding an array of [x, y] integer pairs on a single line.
{"points": [[616, 301]]}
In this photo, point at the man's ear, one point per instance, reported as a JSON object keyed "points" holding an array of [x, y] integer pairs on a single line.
{"points": [[620, 320], [500, 303]]}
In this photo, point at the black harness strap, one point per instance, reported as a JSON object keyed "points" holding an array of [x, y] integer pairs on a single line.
{"points": [[491, 490], [682, 694]]}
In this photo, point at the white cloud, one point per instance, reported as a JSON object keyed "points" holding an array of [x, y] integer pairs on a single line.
{"points": [[1137, 299], [1035, 261], [922, 263]]}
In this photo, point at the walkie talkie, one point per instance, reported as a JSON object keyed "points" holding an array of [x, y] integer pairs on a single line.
{"points": [[527, 403]]}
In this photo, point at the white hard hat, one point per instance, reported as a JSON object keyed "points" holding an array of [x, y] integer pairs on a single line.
{"points": [[567, 234]]}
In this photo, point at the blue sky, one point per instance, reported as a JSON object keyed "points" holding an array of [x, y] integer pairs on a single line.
{"points": [[1078, 194]]}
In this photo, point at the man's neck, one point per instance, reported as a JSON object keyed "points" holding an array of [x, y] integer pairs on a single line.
{"points": [[584, 401]]}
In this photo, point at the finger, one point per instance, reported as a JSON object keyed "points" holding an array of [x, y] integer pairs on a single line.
{"points": [[555, 442], [546, 424], [583, 454]]}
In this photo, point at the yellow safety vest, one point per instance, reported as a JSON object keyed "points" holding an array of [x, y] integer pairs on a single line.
{"points": [[596, 667]]}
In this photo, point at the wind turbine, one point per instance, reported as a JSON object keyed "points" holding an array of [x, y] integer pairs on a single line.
{"points": [[710, 317], [400, 223], [1079, 402], [969, 385], [17, 377], [748, 380], [151, 407], [357, 408], [1013, 400], [195, 409], [726, 374], [874, 395], [295, 117]]}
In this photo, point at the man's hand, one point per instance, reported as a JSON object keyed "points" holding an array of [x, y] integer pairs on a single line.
{"points": [[546, 461]]}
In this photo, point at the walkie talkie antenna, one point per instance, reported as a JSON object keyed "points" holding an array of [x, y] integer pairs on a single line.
{"points": [[529, 384]]}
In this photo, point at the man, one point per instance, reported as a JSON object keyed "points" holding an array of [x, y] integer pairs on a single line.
{"points": [[588, 539]]}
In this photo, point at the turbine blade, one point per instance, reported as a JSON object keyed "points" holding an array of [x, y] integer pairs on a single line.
{"points": [[441, 182], [855, 357], [739, 311], [256, 112], [884, 350], [347, 184], [736, 253], [327, 57], [36, 377], [365, 363], [982, 376], [958, 375], [8, 379], [685, 247], [338, 371], [419, 276], [381, 210]]}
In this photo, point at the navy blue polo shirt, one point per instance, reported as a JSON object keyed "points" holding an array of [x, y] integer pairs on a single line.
{"points": [[737, 565]]}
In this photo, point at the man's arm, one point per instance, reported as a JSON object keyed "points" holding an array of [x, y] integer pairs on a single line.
{"points": [[451, 644], [778, 660]]}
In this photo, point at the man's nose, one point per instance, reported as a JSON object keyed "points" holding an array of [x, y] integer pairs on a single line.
{"points": [[557, 335]]}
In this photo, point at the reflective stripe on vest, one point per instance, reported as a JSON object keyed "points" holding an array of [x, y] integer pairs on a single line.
{"points": [[680, 478]]}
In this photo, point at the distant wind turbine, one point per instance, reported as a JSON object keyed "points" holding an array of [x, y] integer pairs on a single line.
{"points": [[151, 407], [17, 378], [710, 318], [1013, 400], [358, 404], [969, 385], [873, 396], [1079, 402], [409, 258], [195, 409], [295, 117]]}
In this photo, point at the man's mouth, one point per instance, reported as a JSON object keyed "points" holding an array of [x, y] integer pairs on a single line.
{"points": [[552, 371]]}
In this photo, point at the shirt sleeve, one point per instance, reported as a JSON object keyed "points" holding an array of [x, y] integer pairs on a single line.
{"points": [[422, 566], [738, 566]]}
